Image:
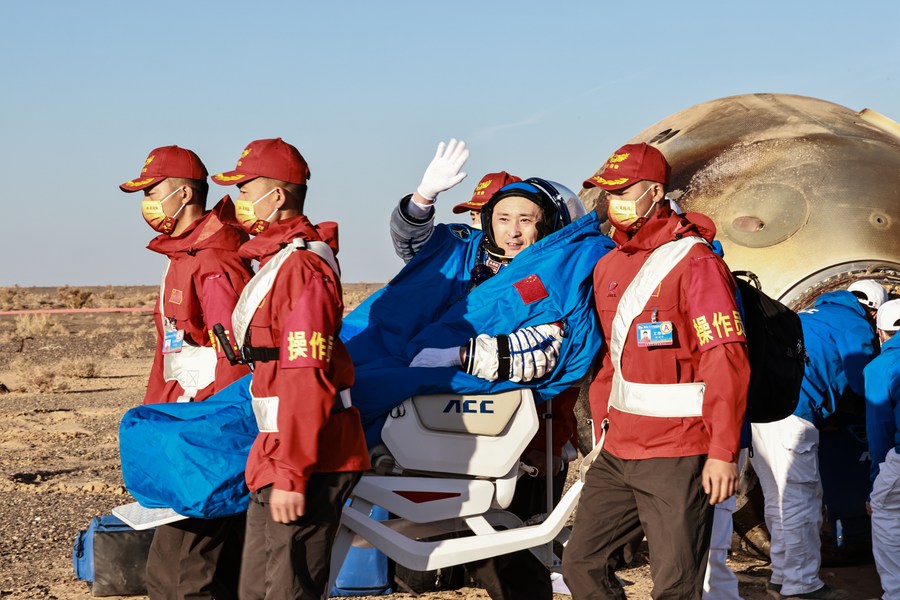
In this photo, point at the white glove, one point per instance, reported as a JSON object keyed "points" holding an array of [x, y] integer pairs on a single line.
{"points": [[526, 354], [437, 357], [534, 351], [482, 357], [444, 171]]}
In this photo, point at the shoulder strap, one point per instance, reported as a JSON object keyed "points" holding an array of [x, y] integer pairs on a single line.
{"points": [[162, 291], [262, 282], [635, 298]]}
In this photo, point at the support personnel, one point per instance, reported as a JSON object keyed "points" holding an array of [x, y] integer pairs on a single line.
{"points": [[195, 558], [883, 431], [310, 451], [840, 341], [486, 188], [870, 294], [671, 409]]}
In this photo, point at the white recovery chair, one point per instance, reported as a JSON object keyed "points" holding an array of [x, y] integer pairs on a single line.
{"points": [[456, 461]]}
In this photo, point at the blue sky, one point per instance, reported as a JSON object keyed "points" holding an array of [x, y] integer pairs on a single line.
{"points": [[366, 90]]}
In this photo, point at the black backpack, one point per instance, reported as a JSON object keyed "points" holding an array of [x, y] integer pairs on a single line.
{"points": [[777, 353]]}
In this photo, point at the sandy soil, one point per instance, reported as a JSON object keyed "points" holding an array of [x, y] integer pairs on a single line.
{"points": [[59, 462]]}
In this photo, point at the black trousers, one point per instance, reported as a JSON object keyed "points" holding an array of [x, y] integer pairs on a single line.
{"points": [[664, 496], [196, 559], [520, 575], [292, 561], [516, 576]]}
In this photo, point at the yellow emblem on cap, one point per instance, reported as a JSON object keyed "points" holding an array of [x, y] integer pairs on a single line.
{"points": [[134, 183], [614, 160], [602, 181], [224, 177], [147, 162], [479, 189], [243, 155]]}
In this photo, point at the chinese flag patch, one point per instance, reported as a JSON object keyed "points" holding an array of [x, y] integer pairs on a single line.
{"points": [[531, 289], [176, 297]]}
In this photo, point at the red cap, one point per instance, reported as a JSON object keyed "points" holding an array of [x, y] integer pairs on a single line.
{"points": [[168, 161], [628, 165], [486, 188], [275, 159]]}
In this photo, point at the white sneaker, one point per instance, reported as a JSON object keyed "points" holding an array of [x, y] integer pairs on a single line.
{"points": [[559, 586]]}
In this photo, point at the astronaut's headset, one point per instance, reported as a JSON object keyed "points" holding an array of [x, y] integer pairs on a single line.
{"points": [[559, 205]]}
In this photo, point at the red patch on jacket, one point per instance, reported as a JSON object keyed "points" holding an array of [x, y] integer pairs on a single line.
{"points": [[176, 297], [531, 289], [307, 336], [713, 313]]}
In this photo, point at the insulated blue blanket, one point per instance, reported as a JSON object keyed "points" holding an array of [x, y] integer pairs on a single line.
{"points": [[190, 457], [427, 305]]}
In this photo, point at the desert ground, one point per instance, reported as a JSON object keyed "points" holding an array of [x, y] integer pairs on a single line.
{"points": [[66, 378]]}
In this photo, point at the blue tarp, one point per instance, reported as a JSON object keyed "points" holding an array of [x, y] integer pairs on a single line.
{"points": [[190, 457]]}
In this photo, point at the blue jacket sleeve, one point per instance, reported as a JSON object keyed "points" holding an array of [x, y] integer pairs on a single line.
{"points": [[882, 383]]}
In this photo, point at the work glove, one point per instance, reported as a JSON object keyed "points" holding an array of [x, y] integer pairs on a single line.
{"points": [[527, 353], [437, 357], [444, 171]]}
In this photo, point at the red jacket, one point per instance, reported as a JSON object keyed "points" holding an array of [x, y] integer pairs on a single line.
{"points": [[301, 315], [204, 278], [564, 424], [698, 297]]}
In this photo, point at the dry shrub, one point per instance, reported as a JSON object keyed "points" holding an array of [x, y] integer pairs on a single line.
{"points": [[78, 368], [33, 326], [355, 293], [137, 297], [130, 348], [109, 297], [74, 297], [11, 298], [35, 378], [142, 326]]}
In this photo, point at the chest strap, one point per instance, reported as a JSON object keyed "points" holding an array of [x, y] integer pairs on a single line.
{"points": [[260, 353]]}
